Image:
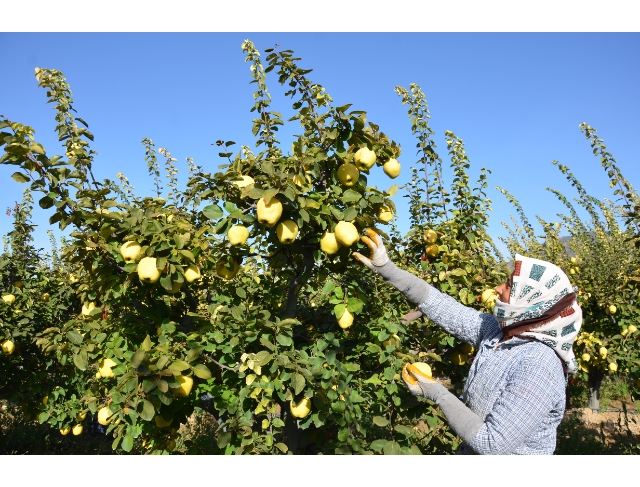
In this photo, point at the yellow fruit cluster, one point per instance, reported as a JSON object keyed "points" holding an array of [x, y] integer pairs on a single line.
{"points": [[594, 355]]}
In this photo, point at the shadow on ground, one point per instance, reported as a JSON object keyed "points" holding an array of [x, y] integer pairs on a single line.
{"points": [[584, 432]]}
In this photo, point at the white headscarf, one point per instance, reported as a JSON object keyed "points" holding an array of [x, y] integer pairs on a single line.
{"points": [[537, 287]]}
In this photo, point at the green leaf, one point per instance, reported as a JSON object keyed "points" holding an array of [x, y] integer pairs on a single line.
{"points": [[162, 361], [297, 382], [432, 421], [241, 292], [223, 439], [188, 254], [354, 305], [195, 352], [262, 358], [148, 411], [343, 434], [45, 202], [43, 416], [148, 385], [179, 366], [80, 360], [213, 212], [328, 287], [350, 196], [338, 407], [403, 430], [339, 310], [179, 240], [392, 190], [282, 447], [381, 421], [20, 177], [137, 358], [119, 369], [350, 214], [269, 193], [127, 443], [202, 371], [146, 344], [392, 448], [336, 212], [374, 379], [284, 340], [458, 272], [116, 442], [266, 343], [74, 337], [378, 445]]}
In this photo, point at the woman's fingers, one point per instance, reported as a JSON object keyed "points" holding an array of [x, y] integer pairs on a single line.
{"points": [[409, 317], [373, 236], [370, 244], [408, 377], [363, 259]]}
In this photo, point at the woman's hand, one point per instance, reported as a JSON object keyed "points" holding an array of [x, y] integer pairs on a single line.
{"points": [[421, 385], [378, 256]]}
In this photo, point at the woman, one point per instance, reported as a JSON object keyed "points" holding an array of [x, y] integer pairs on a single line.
{"points": [[515, 395]]}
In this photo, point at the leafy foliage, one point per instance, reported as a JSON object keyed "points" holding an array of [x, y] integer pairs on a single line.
{"points": [[267, 336]]}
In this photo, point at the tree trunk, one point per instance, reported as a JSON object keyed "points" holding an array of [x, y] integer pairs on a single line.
{"points": [[594, 382], [291, 431]]}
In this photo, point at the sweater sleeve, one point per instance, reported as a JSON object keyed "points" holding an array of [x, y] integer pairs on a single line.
{"points": [[521, 408], [463, 322]]}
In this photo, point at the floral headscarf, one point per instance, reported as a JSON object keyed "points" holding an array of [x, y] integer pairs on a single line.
{"points": [[542, 306]]}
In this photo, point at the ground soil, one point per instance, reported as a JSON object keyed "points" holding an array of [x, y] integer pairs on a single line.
{"points": [[610, 423]]}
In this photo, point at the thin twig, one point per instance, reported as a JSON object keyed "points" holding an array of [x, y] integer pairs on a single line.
{"points": [[221, 365]]}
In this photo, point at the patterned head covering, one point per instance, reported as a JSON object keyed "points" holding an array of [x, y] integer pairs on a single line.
{"points": [[542, 306]]}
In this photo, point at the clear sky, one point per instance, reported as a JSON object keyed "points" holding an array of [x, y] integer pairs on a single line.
{"points": [[516, 99]]}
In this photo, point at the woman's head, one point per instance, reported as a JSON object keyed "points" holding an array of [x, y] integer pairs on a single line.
{"points": [[538, 301], [504, 289]]}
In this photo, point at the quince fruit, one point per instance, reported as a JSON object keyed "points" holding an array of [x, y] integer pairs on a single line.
{"points": [[287, 231], [432, 250], [243, 182], [104, 368], [430, 236], [348, 174], [186, 383], [227, 267], [391, 168], [103, 416], [300, 409], [130, 251], [269, 214], [346, 320], [192, 273], [329, 243], [238, 235], [385, 214], [346, 233], [364, 159], [8, 347], [147, 270]]}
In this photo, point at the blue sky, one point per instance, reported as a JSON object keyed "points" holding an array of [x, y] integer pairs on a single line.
{"points": [[516, 99]]}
